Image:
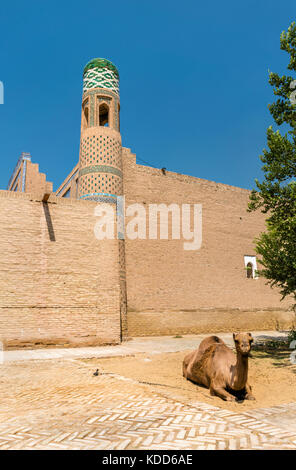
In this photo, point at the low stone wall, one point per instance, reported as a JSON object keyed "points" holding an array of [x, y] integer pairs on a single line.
{"points": [[207, 321], [33, 327]]}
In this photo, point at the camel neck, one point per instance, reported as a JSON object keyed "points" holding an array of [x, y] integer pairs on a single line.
{"points": [[241, 371]]}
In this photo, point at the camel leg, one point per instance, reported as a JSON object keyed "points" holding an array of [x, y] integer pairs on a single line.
{"points": [[186, 363], [249, 395], [185, 371], [220, 392]]}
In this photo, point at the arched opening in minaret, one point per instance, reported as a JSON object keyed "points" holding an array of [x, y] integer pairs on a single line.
{"points": [[85, 116], [104, 115]]}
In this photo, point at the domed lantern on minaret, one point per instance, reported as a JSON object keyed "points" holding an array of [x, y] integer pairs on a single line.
{"points": [[100, 161]]}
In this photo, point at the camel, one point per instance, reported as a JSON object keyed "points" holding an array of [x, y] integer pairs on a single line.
{"points": [[215, 366]]}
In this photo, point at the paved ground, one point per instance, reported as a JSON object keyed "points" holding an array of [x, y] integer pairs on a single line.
{"points": [[55, 402], [153, 345]]}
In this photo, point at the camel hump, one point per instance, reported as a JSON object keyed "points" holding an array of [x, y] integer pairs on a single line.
{"points": [[208, 342], [216, 339]]}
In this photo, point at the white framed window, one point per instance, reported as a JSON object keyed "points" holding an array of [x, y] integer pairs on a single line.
{"points": [[251, 267]]}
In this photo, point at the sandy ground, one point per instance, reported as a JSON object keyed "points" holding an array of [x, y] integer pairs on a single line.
{"points": [[271, 375]]}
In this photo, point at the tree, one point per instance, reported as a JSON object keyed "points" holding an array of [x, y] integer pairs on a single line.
{"points": [[276, 194]]}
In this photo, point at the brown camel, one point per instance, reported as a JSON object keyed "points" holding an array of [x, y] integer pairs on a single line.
{"points": [[215, 366]]}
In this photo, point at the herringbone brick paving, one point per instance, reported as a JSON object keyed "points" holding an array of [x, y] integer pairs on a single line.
{"points": [[59, 404]]}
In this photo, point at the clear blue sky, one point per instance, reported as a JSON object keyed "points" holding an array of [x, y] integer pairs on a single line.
{"points": [[194, 81]]}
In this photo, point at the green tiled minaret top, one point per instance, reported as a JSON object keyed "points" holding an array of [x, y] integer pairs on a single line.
{"points": [[101, 64], [100, 73]]}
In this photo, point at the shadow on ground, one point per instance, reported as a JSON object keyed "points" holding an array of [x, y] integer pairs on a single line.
{"points": [[280, 356]]}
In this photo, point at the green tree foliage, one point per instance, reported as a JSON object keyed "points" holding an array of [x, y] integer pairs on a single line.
{"points": [[276, 194]]}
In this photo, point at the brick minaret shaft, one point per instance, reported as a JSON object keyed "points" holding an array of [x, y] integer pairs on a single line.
{"points": [[100, 160]]}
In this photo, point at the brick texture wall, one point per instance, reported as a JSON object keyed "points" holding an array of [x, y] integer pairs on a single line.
{"points": [[58, 283], [36, 181], [170, 290]]}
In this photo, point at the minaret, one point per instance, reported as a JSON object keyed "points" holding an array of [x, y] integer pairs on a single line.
{"points": [[100, 161]]}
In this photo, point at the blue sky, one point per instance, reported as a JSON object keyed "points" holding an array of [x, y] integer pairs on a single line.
{"points": [[194, 81]]}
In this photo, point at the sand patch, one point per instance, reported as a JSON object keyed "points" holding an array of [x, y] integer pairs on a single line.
{"points": [[271, 375]]}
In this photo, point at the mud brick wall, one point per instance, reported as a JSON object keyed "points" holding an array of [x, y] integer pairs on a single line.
{"points": [[58, 284], [36, 181], [170, 290]]}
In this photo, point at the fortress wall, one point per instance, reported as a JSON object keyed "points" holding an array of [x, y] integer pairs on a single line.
{"points": [[58, 283], [170, 290], [35, 181]]}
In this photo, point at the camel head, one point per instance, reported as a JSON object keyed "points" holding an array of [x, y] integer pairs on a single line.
{"points": [[243, 343]]}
